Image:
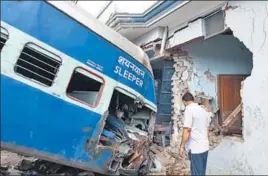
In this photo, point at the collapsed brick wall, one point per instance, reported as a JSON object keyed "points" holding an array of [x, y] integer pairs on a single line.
{"points": [[183, 65], [183, 71]]}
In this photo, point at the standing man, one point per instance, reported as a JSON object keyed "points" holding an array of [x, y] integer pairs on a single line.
{"points": [[195, 135]]}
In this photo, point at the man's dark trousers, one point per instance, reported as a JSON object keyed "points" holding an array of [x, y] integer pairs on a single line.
{"points": [[198, 163]]}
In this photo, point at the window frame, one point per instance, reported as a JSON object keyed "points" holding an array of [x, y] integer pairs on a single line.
{"points": [[100, 91], [125, 92], [132, 95], [43, 51], [4, 32]]}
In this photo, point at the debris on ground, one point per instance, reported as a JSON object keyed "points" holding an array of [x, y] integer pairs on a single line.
{"points": [[164, 162], [171, 163], [14, 164]]}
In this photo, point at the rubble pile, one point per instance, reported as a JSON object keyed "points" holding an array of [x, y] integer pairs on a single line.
{"points": [[9, 162], [171, 163], [14, 164], [214, 139], [179, 167]]}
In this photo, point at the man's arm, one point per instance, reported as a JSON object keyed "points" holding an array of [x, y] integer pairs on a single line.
{"points": [[187, 125], [185, 136]]}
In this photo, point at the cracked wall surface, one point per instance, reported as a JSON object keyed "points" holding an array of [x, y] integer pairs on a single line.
{"points": [[222, 54], [249, 23]]}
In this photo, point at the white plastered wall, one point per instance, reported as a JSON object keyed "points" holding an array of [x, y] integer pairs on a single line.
{"points": [[249, 23]]}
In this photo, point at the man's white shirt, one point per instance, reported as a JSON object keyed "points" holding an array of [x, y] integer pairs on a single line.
{"points": [[197, 119]]}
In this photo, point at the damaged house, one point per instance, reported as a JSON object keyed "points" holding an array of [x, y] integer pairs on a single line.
{"points": [[217, 50]]}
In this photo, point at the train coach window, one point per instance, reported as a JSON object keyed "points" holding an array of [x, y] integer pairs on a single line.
{"points": [[84, 87], [4, 37], [38, 64]]}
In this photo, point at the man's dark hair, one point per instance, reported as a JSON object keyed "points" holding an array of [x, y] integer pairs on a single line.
{"points": [[188, 97]]}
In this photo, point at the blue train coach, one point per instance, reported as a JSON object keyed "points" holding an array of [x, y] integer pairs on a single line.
{"points": [[73, 91]]}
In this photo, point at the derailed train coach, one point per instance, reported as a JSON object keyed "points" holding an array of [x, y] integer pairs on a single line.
{"points": [[71, 89]]}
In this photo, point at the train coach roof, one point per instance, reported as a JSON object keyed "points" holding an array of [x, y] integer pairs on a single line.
{"points": [[101, 29]]}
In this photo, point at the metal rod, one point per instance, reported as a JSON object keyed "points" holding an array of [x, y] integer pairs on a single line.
{"points": [[40, 60], [32, 73], [53, 74], [45, 55]]}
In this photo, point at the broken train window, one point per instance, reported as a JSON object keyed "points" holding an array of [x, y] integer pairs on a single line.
{"points": [[37, 64], [4, 38], [125, 106], [126, 129], [85, 87]]}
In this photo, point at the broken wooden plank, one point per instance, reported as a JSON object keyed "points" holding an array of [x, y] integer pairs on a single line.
{"points": [[232, 117], [217, 125]]}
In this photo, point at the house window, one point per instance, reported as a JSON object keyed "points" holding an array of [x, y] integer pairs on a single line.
{"points": [[4, 37], [85, 87], [37, 64]]}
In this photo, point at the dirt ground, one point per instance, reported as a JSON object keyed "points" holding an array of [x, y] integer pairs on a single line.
{"points": [[170, 163], [10, 162], [14, 164]]}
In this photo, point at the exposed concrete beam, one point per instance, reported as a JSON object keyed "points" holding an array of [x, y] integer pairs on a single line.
{"points": [[154, 35], [193, 31]]}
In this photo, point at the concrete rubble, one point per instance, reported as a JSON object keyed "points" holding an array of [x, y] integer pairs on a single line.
{"points": [[171, 163], [15, 164]]}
